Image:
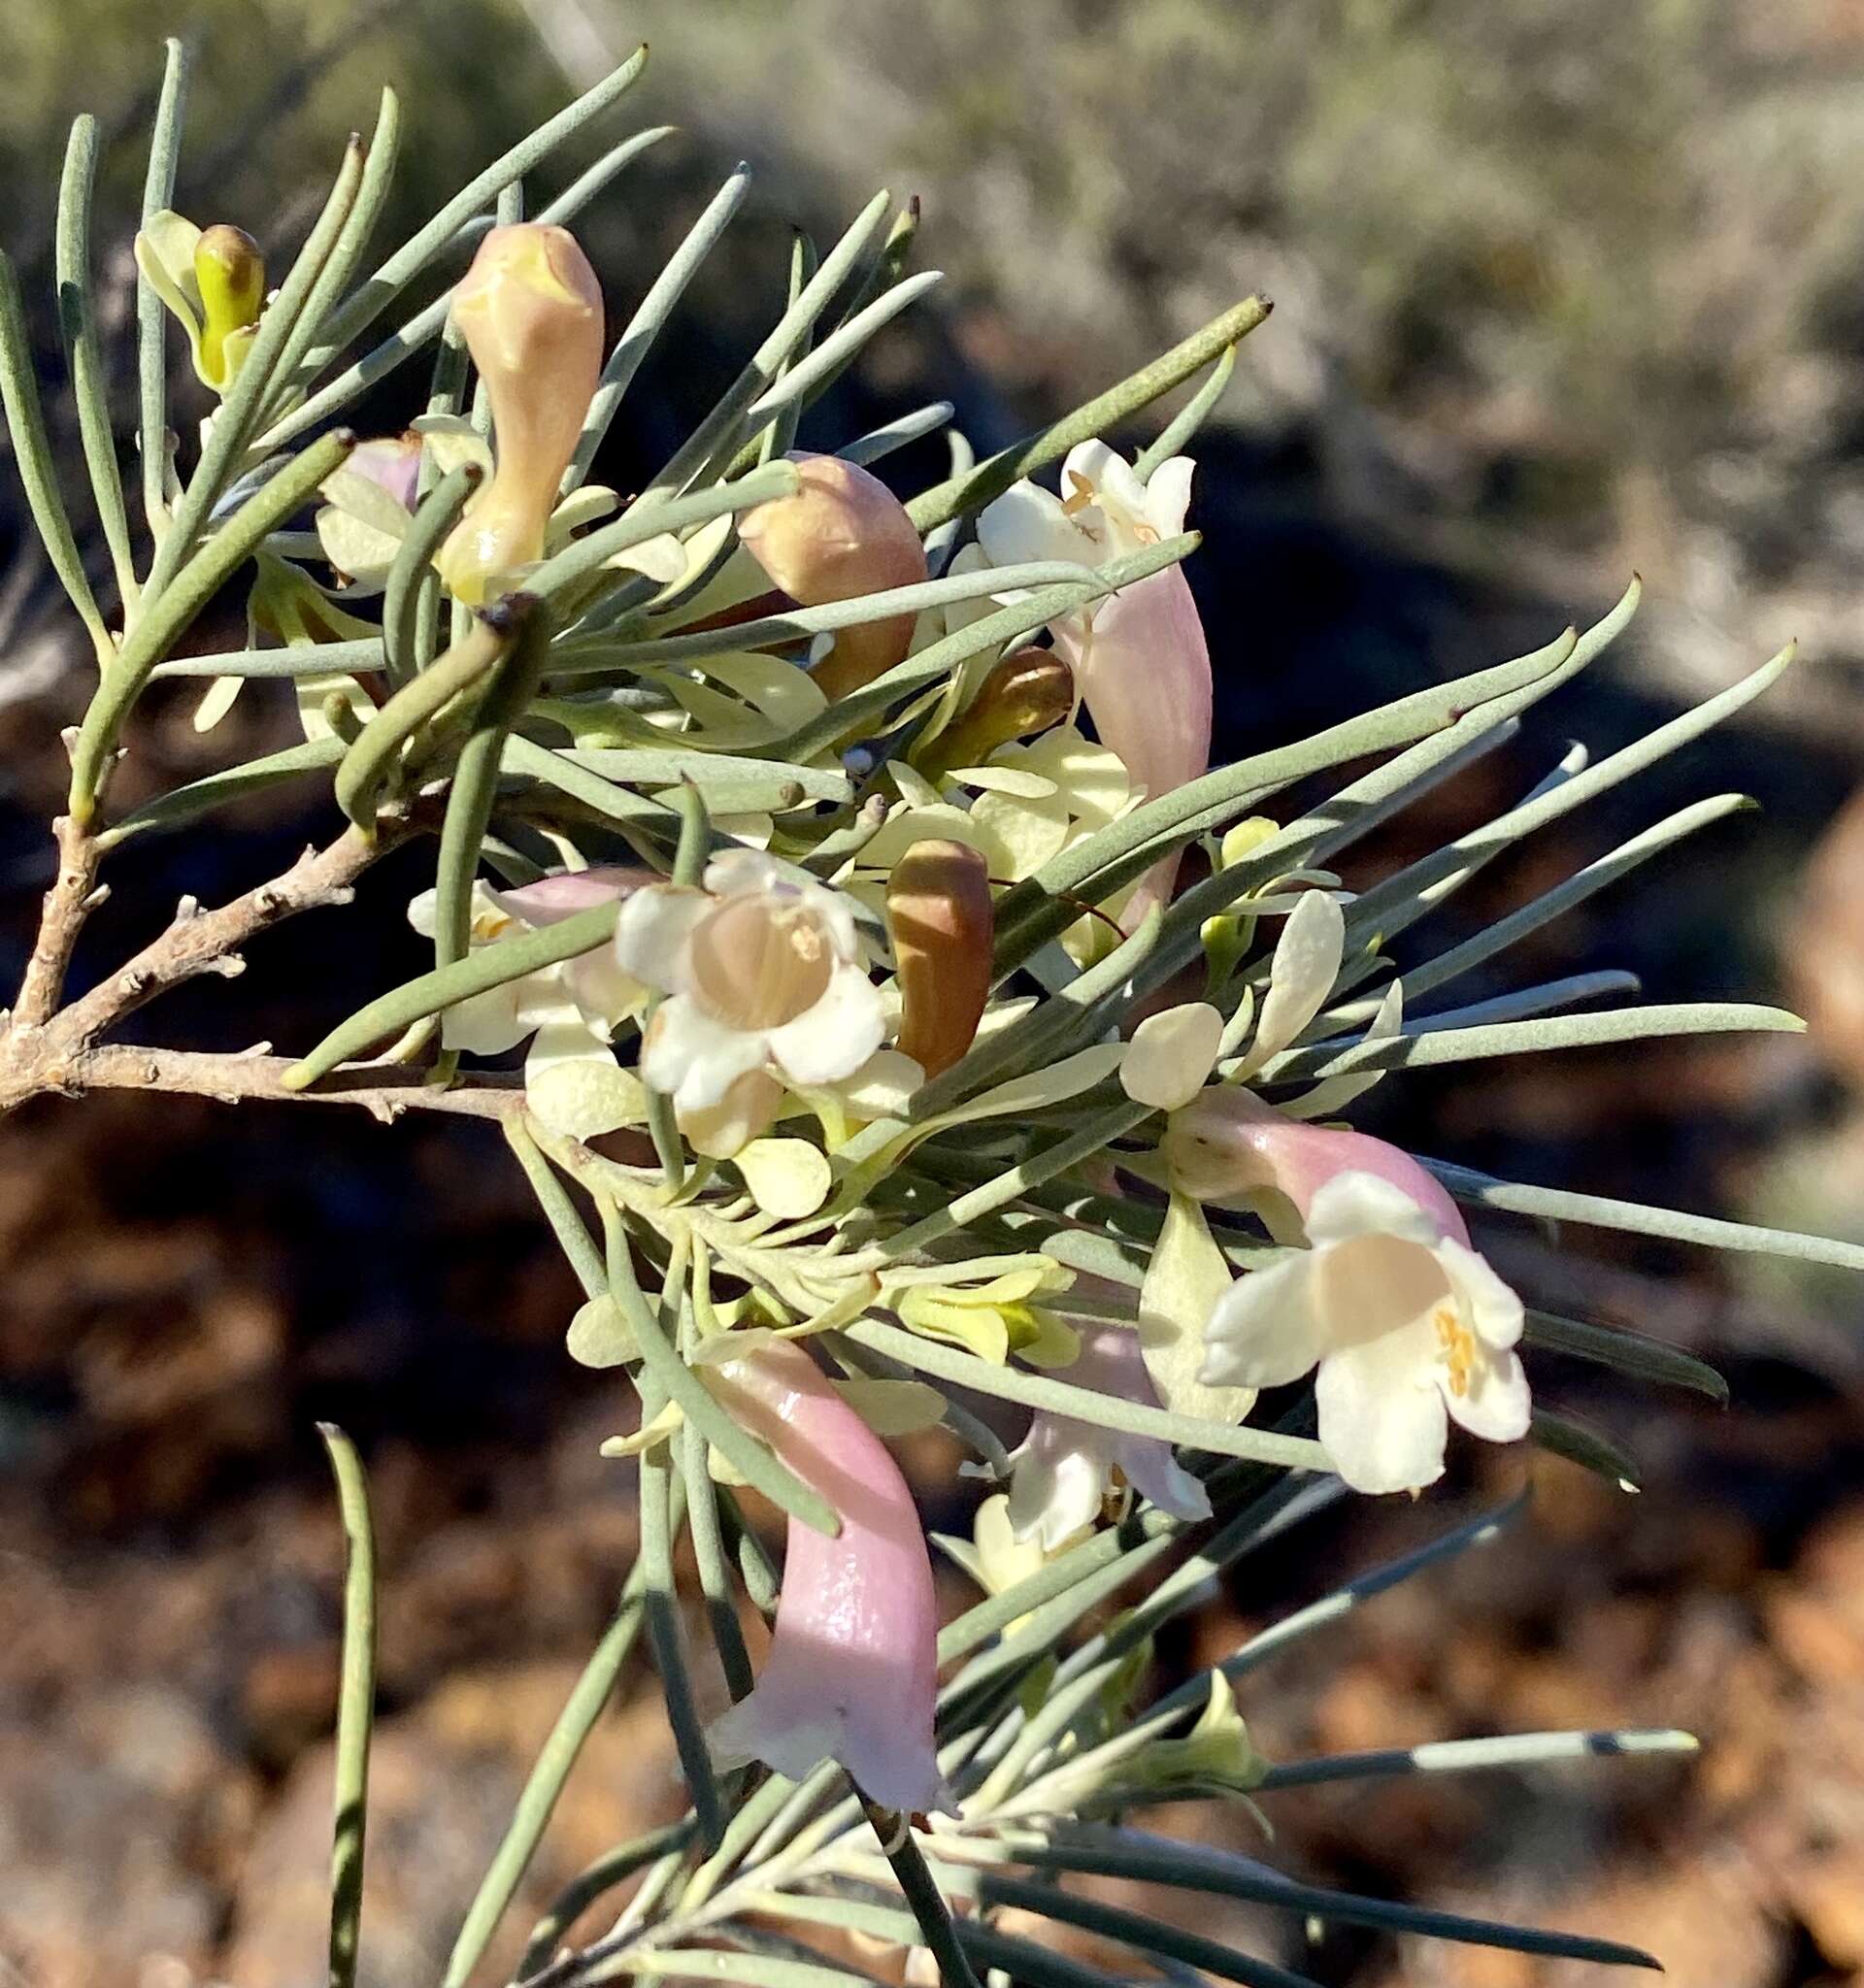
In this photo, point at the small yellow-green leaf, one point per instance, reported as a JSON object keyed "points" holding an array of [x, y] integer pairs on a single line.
{"points": [[217, 701], [1171, 1055], [789, 1178], [665, 1424], [1042, 1088], [1186, 1275], [584, 1097], [600, 1335]]}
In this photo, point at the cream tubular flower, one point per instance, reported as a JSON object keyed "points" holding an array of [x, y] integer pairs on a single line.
{"points": [[853, 1670], [1140, 657], [1405, 1326], [763, 978], [1063, 1471], [530, 309]]}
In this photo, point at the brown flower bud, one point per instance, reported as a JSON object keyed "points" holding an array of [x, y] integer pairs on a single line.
{"points": [[531, 310], [841, 534], [1029, 691], [940, 916]]}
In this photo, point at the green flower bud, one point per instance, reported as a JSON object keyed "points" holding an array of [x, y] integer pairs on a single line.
{"points": [[229, 273]]}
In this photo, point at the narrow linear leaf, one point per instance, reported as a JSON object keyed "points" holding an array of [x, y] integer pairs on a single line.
{"points": [[372, 196], [1103, 1412], [305, 659], [218, 789], [1625, 1352], [588, 1699], [1193, 1866], [360, 309], [649, 320], [718, 435], [491, 966], [151, 315], [1556, 1204], [1178, 433], [32, 452], [800, 623], [1513, 1751], [1561, 1435], [1442, 1045], [356, 1706], [78, 325], [639, 522], [1135, 1930], [975, 488], [167, 615], [412, 569]]}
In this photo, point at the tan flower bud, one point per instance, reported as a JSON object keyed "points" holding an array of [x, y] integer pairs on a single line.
{"points": [[843, 534], [230, 274], [941, 921], [1029, 691], [531, 310]]}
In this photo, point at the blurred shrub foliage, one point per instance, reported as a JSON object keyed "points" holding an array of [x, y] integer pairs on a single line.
{"points": [[1553, 245]]}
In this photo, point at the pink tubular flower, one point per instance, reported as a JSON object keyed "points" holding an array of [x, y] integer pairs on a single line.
{"points": [[851, 1674], [1140, 658], [1406, 1327], [1063, 1469]]}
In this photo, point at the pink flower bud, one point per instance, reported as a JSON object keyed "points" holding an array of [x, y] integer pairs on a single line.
{"points": [[1227, 1142], [531, 310], [841, 534], [851, 1674]]}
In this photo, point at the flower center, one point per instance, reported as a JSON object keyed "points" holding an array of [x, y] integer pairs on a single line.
{"points": [[757, 964], [1370, 1285], [1459, 1347]]}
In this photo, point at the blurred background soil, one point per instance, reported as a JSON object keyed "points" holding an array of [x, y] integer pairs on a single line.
{"points": [[1562, 288]]}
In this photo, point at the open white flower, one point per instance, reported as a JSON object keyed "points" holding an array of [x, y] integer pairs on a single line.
{"points": [[569, 1012], [1409, 1328], [592, 988], [1064, 1469], [765, 979]]}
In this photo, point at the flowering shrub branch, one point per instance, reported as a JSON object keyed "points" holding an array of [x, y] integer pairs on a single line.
{"points": [[912, 1017]]}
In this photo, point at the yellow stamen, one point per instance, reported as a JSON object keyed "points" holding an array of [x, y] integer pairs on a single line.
{"points": [[1459, 1347]]}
